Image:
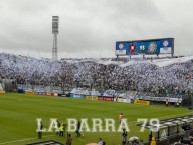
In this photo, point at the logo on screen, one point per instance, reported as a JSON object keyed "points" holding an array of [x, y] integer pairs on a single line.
{"points": [[121, 46], [132, 47], [165, 43], [152, 47], [142, 47]]}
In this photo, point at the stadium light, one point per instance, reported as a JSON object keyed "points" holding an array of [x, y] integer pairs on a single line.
{"points": [[55, 21]]}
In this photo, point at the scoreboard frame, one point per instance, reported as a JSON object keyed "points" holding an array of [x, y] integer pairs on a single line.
{"points": [[145, 47]]}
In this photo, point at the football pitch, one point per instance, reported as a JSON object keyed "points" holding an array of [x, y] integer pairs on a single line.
{"points": [[18, 114]]}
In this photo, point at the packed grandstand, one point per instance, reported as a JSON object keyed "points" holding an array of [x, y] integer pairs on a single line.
{"points": [[160, 76]]}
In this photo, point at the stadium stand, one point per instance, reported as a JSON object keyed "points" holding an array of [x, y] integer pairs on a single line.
{"points": [[160, 76]]}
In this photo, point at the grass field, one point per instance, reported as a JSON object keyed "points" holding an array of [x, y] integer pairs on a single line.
{"points": [[18, 113]]}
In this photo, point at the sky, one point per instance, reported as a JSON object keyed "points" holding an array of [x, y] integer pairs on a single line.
{"points": [[90, 28]]}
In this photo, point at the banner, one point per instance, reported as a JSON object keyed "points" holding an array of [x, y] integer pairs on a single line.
{"points": [[141, 102], [48, 94], [2, 92], [42, 93], [77, 96], [104, 98], [159, 99], [29, 92], [108, 98], [92, 97], [55, 94], [123, 100], [100, 98]]}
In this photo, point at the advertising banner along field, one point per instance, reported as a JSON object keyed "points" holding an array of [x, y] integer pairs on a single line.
{"points": [[141, 102]]}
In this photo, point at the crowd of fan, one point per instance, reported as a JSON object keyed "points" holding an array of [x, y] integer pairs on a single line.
{"points": [[101, 74]]}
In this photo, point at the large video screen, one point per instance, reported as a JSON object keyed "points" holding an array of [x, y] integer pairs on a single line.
{"points": [[153, 46]]}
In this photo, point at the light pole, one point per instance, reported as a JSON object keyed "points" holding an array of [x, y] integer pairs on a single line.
{"points": [[55, 21]]}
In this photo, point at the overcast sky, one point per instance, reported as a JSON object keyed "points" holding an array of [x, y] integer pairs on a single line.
{"points": [[90, 28]]}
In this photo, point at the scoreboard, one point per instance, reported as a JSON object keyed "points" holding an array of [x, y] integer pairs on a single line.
{"points": [[147, 47]]}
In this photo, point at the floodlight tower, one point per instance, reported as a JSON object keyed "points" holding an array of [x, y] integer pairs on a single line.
{"points": [[55, 20]]}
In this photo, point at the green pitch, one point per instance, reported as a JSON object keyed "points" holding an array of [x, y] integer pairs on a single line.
{"points": [[18, 113]]}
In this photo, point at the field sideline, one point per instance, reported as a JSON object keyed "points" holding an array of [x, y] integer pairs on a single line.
{"points": [[18, 113]]}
